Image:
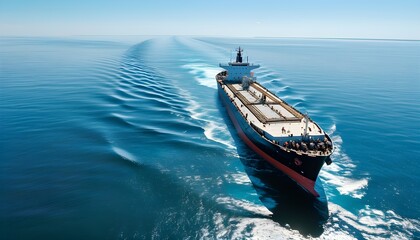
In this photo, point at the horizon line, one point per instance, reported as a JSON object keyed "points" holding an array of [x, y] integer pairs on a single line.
{"points": [[215, 36]]}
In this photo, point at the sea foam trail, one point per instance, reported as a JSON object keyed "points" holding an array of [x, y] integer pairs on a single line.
{"points": [[371, 223], [339, 174], [204, 73], [212, 130], [125, 155], [367, 223]]}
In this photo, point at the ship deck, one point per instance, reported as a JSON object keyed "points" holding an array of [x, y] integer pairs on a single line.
{"points": [[272, 115]]}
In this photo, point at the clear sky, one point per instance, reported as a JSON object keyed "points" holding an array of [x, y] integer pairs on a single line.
{"points": [[397, 19]]}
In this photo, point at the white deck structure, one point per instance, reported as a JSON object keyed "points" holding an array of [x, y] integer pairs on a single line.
{"points": [[269, 113]]}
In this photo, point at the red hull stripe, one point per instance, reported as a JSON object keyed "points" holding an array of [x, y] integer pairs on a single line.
{"points": [[306, 183]]}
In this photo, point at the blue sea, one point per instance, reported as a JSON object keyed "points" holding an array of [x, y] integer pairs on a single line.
{"points": [[108, 137]]}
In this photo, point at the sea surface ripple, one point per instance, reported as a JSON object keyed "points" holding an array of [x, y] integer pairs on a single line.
{"points": [[127, 139]]}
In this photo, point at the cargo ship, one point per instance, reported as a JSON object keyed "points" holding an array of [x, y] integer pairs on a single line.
{"points": [[283, 136]]}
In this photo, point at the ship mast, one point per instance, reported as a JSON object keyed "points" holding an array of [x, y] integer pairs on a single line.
{"points": [[239, 55]]}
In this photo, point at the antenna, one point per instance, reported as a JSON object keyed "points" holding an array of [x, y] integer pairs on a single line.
{"points": [[306, 124]]}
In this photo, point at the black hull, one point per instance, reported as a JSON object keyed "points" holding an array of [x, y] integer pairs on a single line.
{"points": [[301, 168]]}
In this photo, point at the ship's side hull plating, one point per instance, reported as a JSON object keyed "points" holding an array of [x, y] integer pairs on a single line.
{"points": [[303, 169]]}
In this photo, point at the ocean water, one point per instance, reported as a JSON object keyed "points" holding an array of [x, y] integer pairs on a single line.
{"points": [[126, 138]]}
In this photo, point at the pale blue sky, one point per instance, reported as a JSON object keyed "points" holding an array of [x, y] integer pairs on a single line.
{"points": [[398, 19]]}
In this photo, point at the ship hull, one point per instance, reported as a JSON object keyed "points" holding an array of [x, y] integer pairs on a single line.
{"points": [[302, 169]]}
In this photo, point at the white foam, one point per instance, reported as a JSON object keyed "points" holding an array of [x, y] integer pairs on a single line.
{"points": [[346, 185], [238, 178], [262, 228], [370, 223], [212, 129], [203, 73], [236, 204], [253, 227], [332, 129], [124, 154], [248, 227], [373, 223], [339, 174]]}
